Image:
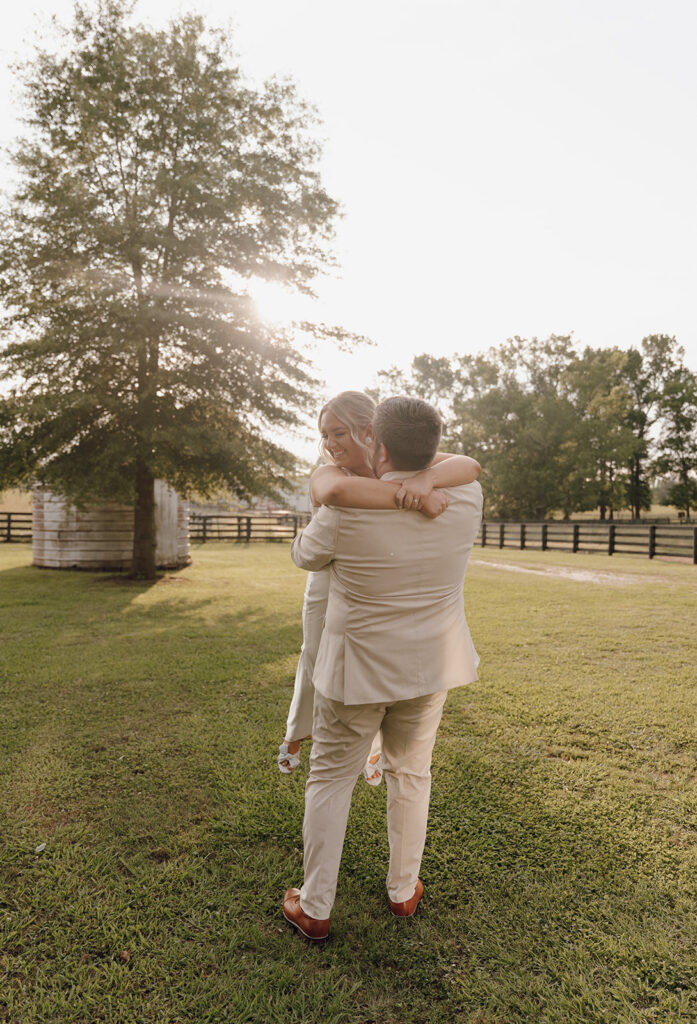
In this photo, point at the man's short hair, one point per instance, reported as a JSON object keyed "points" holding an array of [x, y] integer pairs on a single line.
{"points": [[410, 429]]}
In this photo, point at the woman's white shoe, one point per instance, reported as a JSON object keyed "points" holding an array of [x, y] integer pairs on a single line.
{"points": [[287, 762], [372, 771]]}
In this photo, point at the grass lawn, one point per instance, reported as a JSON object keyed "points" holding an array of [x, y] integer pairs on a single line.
{"points": [[148, 837]]}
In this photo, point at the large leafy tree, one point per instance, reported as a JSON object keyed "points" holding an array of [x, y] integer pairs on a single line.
{"points": [[597, 378], [527, 425], [152, 183], [646, 372], [677, 442], [512, 409]]}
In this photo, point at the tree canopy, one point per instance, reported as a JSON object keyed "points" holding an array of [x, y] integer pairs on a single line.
{"points": [[152, 183], [562, 430]]}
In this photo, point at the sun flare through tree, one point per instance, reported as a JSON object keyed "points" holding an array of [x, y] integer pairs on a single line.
{"points": [[153, 184]]}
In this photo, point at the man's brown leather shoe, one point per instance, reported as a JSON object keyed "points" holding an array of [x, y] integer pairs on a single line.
{"points": [[311, 927], [408, 907]]}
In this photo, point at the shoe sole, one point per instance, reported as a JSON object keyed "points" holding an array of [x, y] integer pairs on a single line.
{"points": [[316, 941], [405, 917]]}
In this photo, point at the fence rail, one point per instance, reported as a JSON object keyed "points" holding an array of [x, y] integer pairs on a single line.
{"points": [[653, 540], [243, 529], [15, 527]]}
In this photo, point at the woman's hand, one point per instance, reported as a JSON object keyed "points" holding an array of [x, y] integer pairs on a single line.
{"points": [[415, 490], [417, 494], [432, 505]]}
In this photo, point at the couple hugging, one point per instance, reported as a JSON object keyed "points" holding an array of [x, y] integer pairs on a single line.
{"points": [[384, 634]]}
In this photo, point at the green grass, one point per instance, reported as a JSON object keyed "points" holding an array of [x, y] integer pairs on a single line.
{"points": [[138, 739]]}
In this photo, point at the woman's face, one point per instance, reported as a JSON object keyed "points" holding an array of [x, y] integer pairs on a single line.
{"points": [[340, 445]]}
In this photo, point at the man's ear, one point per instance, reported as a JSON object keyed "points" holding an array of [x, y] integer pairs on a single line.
{"points": [[381, 459]]}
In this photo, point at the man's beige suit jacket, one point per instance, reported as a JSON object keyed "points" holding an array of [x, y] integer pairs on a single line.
{"points": [[395, 626]]}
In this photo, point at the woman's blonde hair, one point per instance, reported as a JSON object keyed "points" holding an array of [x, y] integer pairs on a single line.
{"points": [[354, 409]]}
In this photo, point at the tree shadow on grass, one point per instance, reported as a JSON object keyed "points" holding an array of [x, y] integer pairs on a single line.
{"points": [[114, 708]]}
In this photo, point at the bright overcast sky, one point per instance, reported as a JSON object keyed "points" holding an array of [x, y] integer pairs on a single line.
{"points": [[505, 166]]}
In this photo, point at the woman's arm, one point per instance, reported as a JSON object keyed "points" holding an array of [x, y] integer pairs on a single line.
{"points": [[329, 486], [453, 470]]}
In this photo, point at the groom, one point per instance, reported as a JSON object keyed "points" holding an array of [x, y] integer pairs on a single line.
{"points": [[395, 641]]}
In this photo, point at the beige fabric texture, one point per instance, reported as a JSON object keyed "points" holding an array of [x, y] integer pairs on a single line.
{"points": [[341, 740], [395, 626], [299, 723], [395, 640]]}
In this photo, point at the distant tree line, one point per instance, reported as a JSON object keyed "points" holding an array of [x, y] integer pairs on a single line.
{"points": [[557, 429]]}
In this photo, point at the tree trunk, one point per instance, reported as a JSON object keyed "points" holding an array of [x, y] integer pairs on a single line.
{"points": [[143, 566], [636, 481], [684, 478], [631, 490]]}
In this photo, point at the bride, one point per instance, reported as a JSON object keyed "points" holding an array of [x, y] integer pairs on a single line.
{"points": [[348, 480]]}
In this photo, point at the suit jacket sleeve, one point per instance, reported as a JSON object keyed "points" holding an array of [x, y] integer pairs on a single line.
{"points": [[315, 546]]}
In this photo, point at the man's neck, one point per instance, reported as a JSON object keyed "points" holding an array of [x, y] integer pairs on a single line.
{"points": [[401, 472]]}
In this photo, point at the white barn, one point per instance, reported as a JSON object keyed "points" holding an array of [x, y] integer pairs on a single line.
{"points": [[100, 536]]}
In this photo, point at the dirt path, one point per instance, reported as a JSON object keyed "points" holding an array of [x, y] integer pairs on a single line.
{"points": [[608, 579]]}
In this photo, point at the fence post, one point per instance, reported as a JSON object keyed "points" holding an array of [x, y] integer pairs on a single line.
{"points": [[295, 526], [483, 535], [239, 528], [611, 539], [694, 546], [652, 541], [9, 527], [544, 536], [522, 536], [204, 522], [249, 529], [576, 533], [502, 529]]}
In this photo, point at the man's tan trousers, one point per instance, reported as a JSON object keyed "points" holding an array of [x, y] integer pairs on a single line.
{"points": [[341, 741]]}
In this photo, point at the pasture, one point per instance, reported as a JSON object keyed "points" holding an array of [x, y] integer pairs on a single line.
{"points": [[148, 837]]}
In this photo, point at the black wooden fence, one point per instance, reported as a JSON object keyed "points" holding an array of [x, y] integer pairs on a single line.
{"points": [[245, 528], [655, 541], [15, 526], [652, 540]]}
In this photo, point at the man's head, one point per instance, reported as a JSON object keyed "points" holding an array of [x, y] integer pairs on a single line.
{"points": [[407, 434]]}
